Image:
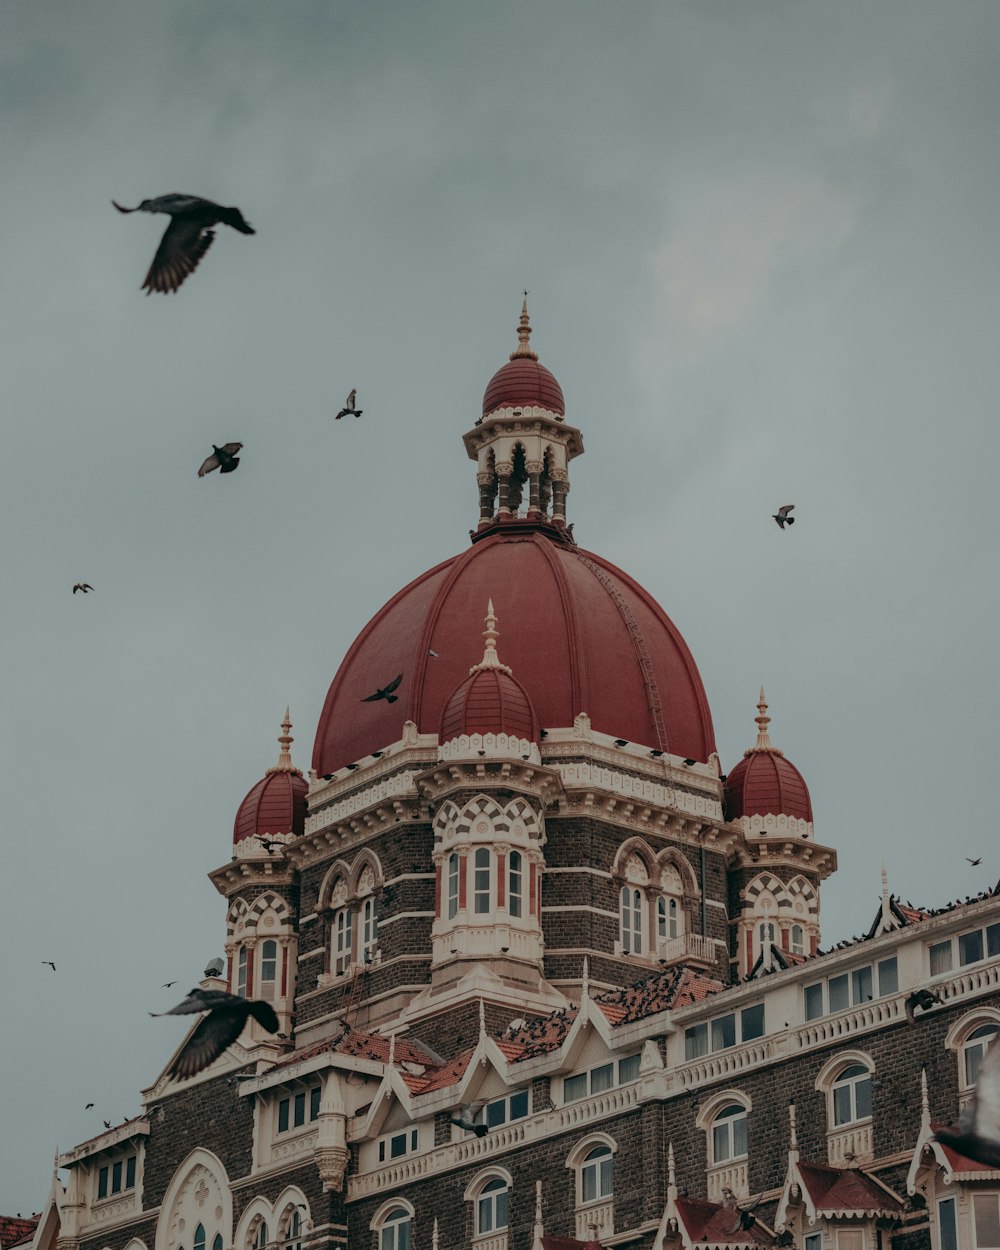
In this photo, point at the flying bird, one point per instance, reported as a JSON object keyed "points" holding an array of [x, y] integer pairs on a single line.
{"points": [[88, 1106], [225, 1018], [385, 692], [224, 458], [106, 1123], [84, 586], [349, 409], [977, 1134], [167, 984], [268, 844], [974, 862], [924, 999], [49, 963], [471, 1119], [188, 237], [782, 517]]}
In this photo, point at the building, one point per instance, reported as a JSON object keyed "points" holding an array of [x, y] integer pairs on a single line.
{"points": [[517, 891]]}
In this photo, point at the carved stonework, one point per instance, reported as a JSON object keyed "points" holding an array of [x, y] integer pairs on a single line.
{"points": [[331, 1163]]}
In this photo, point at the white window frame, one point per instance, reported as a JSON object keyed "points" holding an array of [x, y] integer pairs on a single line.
{"points": [[410, 1138], [342, 940], [708, 1037], [616, 1077], [797, 939], [723, 1125], [492, 1205], [631, 905], [596, 1167], [482, 862], [850, 1079], [953, 1243], [515, 885], [854, 984], [952, 948], [242, 965], [275, 961], [393, 1222], [492, 1118], [368, 929], [454, 864]]}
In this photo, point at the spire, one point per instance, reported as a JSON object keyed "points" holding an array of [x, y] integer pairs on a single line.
{"points": [[538, 1231], [434, 1235], [392, 1049], [523, 350], [585, 983], [925, 1105], [482, 1021], [285, 740], [763, 742], [490, 658], [671, 1174], [793, 1139], [885, 919]]}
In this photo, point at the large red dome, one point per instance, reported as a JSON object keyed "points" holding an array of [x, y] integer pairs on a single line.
{"points": [[579, 634]]}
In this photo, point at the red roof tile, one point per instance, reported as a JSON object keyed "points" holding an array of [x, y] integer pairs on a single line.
{"points": [[836, 1190], [489, 701], [15, 1231], [674, 987], [962, 1165], [568, 1243], [711, 1223]]}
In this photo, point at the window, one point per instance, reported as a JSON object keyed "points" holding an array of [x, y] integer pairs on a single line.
{"points": [[343, 936], [491, 1206], [481, 887], [729, 1134], [515, 882], [395, 1230], [850, 1239], [595, 1174], [452, 886], [314, 1100], [268, 968], [504, 1110], [852, 1095], [596, 1080], [987, 1220], [813, 1241], [241, 972], [396, 1145], [668, 918], [369, 928], [299, 1108], [851, 989], [293, 1233], [728, 1030], [102, 1183], [217, 1242], [259, 1237], [966, 948], [199, 1237], [947, 1224], [116, 1177], [631, 920], [797, 940], [973, 1051]]}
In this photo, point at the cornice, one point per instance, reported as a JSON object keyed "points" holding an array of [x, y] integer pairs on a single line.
{"points": [[522, 776], [270, 870]]}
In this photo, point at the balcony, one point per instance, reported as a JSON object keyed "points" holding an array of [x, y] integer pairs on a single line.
{"points": [[728, 1176], [689, 948], [850, 1145], [595, 1220]]}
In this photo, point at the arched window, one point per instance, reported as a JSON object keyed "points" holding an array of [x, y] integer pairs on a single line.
{"points": [[199, 1237], [596, 1179], [797, 940], [491, 1206], [268, 968], [293, 1232], [973, 1051], [631, 920], [515, 882], [482, 882], [729, 1134], [395, 1230], [259, 1237], [241, 972], [217, 1242], [852, 1095], [343, 940], [369, 928], [453, 868]]}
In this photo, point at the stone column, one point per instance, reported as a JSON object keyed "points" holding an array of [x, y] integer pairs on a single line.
{"points": [[534, 468], [504, 470], [487, 493], [560, 489]]}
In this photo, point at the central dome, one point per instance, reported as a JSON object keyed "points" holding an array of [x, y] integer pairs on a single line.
{"points": [[579, 633]]}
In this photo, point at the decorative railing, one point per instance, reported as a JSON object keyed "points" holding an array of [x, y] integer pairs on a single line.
{"points": [[641, 789], [492, 1241], [728, 1176], [596, 1220], [851, 1144], [687, 946]]}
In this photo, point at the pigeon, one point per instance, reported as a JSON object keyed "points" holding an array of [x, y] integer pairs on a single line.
{"points": [[268, 845], [87, 588], [471, 1120], [621, 742], [656, 754], [690, 763], [223, 458], [219, 1028], [745, 1215], [385, 692], [977, 1134], [106, 1123], [349, 409], [88, 1106], [974, 862], [782, 517], [188, 237], [167, 984], [924, 999], [49, 963]]}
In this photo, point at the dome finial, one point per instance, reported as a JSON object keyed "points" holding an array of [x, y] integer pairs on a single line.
{"points": [[763, 742], [523, 348], [491, 634], [285, 740]]}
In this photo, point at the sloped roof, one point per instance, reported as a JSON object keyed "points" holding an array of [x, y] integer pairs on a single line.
{"points": [[711, 1224], [15, 1230], [847, 1191], [960, 1166], [550, 1242], [678, 986]]}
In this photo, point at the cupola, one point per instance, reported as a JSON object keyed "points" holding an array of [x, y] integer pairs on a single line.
{"points": [[275, 809], [765, 786]]}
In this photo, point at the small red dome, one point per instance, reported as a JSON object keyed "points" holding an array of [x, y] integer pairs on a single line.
{"points": [[523, 382], [764, 783], [489, 702], [276, 805]]}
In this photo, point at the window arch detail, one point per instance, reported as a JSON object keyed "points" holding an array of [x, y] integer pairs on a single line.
{"points": [[723, 1120], [489, 1193], [968, 1037], [198, 1188], [592, 1159], [393, 1225], [845, 1080], [349, 901]]}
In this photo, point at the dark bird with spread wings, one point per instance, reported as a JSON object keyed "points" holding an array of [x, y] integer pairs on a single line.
{"points": [[385, 692], [974, 862], [224, 458], [48, 963], [745, 1218], [225, 1020], [470, 1118], [84, 586], [350, 408], [782, 517], [188, 237], [920, 999], [977, 1133]]}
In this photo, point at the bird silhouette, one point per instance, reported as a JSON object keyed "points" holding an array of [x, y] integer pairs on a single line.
{"points": [[167, 984], [49, 963], [621, 742], [268, 844], [782, 517], [977, 1134], [225, 1018], [470, 1118], [349, 409], [745, 1218], [84, 586], [188, 237], [974, 862], [385, 692], [922, 999], [88, 1106], [222, 458], [690, 763], [106, 1123]]}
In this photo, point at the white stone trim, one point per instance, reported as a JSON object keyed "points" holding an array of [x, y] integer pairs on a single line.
{"points": [[771, 826], [494, 746]]}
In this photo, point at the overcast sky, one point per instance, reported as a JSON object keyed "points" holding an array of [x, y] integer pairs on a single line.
{"points": [[761, 245]]}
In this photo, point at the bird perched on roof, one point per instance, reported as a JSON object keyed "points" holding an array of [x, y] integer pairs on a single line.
{"points": [[87, 588], [188, 237], [225, 1020], [224, 458], [745, 1218], [385, 692], [782, 517], [977, 1133], [470, 1118], [922, 999], [349, 409]]}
